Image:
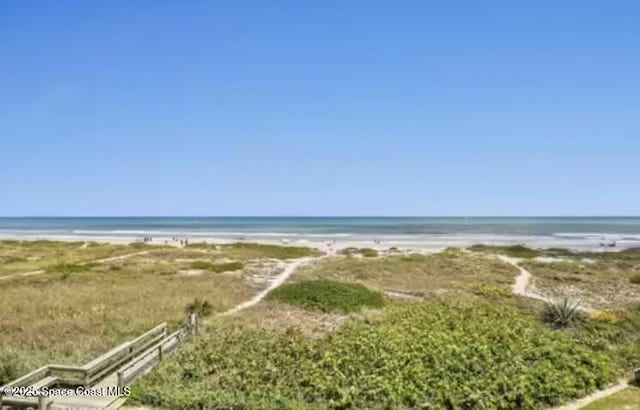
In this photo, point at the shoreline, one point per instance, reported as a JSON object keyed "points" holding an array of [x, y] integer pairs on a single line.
{"points": [[337, 242]]}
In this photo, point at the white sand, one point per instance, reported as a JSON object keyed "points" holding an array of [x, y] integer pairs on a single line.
{"points": [[406, 243]]}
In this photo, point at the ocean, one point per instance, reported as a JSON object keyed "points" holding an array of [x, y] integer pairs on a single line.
{"points": [[535, 231]]}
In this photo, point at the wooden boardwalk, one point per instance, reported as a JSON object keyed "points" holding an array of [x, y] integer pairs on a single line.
{"points": [[101, 378]]}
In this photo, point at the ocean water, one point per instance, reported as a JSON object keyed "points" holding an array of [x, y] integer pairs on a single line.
{"points": [[567, 231]]}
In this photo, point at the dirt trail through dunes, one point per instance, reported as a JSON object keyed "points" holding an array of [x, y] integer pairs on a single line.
{"points": [[521, 285], [277, 281]]}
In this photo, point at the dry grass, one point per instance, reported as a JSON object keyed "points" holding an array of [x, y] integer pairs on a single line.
{"points": [[418, 274], [27, 256], [279, 316], [74, 311], [600, 281]]}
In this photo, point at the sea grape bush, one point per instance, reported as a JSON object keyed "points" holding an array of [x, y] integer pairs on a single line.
{"points": [[436, 355], [327, 296]]}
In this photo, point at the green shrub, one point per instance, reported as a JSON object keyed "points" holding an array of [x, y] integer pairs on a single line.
{"points": [[488, 290], [69, 268], [366, 252], [12, 259], [557, 252], [202, 245], [138, 245], [258, 250], [619, 337], [10, 367], [217, 267], [452, 251], [327, 296], [201, 307], [516, 251], [427, 355]]}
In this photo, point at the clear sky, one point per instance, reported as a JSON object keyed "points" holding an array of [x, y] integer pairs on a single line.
{"points": [[320, 108]]}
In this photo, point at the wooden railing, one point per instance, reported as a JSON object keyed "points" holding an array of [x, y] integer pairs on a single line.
{"points": [[149, 358], [127, 360]]}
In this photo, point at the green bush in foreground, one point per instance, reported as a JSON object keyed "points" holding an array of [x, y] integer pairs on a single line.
{"points": [[619, 336], [327, 296], [430, 355]]}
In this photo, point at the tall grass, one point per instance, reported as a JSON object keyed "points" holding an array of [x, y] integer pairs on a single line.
{"points": [[97, 306], [413, 273]]}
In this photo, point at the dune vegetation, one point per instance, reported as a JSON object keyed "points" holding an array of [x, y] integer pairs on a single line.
{"points": [[599, 279], [366, 252], [461, 340], [418, 274], [401, 331], [27, 256], [248, 250], [515, 251], [327, 296], [80, 306], [438, 354]]}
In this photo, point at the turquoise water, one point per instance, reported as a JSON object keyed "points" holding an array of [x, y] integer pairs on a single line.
{"points": [[625, 228]]}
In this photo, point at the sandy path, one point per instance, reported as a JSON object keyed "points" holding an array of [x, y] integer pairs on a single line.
{"points": [[103, 260], [278, 280], [580, 403], [521, 285]]}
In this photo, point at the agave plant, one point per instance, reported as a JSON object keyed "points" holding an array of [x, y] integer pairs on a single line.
{"points": [[561, 312]]}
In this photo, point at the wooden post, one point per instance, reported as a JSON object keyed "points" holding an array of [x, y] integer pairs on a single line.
{"points": [[160, 352], [120, 379], [193, 322], [43, 402]]}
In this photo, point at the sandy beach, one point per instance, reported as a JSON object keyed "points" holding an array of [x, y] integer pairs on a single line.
{"points": [[329, 244]]}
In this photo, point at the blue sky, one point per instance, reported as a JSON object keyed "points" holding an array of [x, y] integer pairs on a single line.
{"points": [[320, 108]]}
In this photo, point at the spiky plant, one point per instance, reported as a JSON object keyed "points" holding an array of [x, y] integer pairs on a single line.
{"points": [[201, 307], [561, 312]]}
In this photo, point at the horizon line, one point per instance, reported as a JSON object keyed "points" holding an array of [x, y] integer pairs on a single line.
{"points": [[314, 216]]}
